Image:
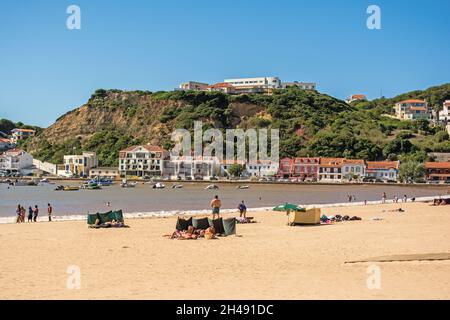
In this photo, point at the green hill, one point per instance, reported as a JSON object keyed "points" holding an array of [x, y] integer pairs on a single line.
{"points": [[310, 123]]}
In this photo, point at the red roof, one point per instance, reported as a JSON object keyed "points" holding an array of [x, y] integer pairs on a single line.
{"points": [[358, 97], [413, 101], [331, 162], [382, 165], [220, 85], [148, 147], [24, 130], [5, 140], [354, 161], [437, 165]]}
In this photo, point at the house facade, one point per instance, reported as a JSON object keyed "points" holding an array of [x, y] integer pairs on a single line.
{"points": [[306, 169], [16, 161], [79, 165], [104, 173], [21, 134], [383, 170], [354, 169], [191, 167], [142, 161], [331, 169], [413, 110], [5, 144], [194, 86], [262, 168], [444, 115], [437, 172]]}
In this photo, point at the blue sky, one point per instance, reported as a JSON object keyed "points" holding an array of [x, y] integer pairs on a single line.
{"points": [[47, 70]]}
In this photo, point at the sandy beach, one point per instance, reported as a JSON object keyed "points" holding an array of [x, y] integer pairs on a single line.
{"points": [[267, 260]]}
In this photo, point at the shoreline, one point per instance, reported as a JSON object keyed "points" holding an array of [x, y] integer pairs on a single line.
{"points": [[188, 213]]}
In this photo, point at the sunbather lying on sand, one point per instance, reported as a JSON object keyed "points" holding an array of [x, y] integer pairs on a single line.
{"points": [[192, 234]]}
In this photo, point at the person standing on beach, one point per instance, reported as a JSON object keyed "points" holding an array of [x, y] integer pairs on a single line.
{"points": [[30, 214], [215, 205], [242, 209], [22, 214], [49, 212], [18, 213], [395, 199], [35, 213], [383, 198], [405, 198]]}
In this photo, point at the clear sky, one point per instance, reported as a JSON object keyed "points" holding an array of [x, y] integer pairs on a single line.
{"points": [[47, 69]]}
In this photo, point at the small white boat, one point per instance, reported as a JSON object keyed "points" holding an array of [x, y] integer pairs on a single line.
{"points": [[177, 186], [212, 187], [45, 180], [159, 185], [243, 187], [126, 184]]}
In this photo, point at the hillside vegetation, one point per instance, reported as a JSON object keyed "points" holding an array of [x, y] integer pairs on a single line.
{"points": [[310, 123]]}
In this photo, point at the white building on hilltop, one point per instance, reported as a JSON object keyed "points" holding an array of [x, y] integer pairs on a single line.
{"points": [[21, 134]]}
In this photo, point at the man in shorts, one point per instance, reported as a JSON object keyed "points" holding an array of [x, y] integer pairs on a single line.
{"points": [[215, 205]]}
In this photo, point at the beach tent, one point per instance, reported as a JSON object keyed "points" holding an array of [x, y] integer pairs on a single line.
{"points": [[105, 217], [308, 217]]}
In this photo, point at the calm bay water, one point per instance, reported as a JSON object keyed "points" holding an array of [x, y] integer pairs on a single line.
{"points": [[193, 196]]}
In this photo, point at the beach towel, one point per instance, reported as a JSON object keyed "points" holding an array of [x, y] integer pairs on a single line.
{"points": [[201, 224], [183, 224], [229, 226], [217, 224]]}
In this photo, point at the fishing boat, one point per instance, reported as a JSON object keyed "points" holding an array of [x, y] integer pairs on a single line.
{"points": [[71, 188], [91, 186], [102, 182], [212, 187], [126, 184], [158, 185], [243, 187], [177, 186]]}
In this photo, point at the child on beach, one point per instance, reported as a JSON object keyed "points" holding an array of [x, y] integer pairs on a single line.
{"points": [[383, 198], [215, 205]]}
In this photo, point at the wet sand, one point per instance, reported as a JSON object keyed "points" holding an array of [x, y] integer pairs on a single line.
{"points": [[268, 260]]}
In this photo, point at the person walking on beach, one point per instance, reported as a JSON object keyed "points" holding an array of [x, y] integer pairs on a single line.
{"points": [[242, 209], [30, 214], [18, 213], [383, 198], [215, 205], [405, 198], [35, 213], [22, 214], [49, 212], [395, 199]]}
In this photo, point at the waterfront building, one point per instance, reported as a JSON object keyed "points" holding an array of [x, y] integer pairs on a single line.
{"points": [[21, 134], [413, 109], [383, 170], [79, 165], [16, 161], [306, 169], [191, 167], [104, 173], [142, 161], [437, 172], [262, 168], [222, 87], [354, 169], [286, 168], [331, 169]]}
